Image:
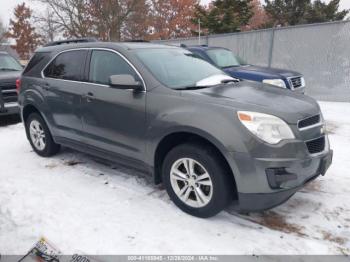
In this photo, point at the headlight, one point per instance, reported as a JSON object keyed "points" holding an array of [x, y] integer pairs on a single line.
{"points": [[268, 128], [275, 82]]}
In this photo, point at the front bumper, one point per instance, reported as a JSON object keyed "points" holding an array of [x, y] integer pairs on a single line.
{"points": [[9, 109], [257, 191], [300, 90]]}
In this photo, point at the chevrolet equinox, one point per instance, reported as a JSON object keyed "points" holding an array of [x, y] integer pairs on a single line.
{"points": [[210, 139]]}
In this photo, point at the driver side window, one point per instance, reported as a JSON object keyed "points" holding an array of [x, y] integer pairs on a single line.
{"points": [[105, 64]]}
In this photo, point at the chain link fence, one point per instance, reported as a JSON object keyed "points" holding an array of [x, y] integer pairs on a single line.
{"points": [[319, 51]]}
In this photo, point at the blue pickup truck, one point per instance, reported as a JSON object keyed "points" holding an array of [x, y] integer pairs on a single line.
{"points": [[236, 67]]}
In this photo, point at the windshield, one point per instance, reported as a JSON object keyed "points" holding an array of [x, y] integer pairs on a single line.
{"points": [[178, 68], [9, 63], [224, 58]]}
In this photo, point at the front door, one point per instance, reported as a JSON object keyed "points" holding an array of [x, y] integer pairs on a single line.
{"points": [[113, 119]]}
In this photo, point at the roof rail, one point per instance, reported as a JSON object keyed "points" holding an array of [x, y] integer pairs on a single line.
{"points": [[72, 41], [136, 41]]}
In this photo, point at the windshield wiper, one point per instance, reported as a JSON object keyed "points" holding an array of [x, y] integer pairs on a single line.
{"points": [[191, 87], [227, 81], [224, 67], [8, 69]]}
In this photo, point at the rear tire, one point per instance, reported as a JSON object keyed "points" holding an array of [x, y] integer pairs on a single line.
{"points": [[40, 137], [204, 190]]}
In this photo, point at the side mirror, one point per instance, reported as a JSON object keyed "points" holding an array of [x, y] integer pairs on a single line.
{"points": [[124, 82]]}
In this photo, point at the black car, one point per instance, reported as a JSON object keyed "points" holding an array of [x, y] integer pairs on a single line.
{"points": [[10, 72], [236, 67]]}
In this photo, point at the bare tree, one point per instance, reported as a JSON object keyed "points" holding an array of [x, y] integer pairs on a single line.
{"points": [[47, 26], [2, 33], [259, 20], [72, 17], [104, 19], [115, 20], [173, 18], [111, 16], [138, 22]]}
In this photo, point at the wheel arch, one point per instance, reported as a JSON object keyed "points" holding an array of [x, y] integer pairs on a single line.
{"points": [[174, 139], [29, 109]]}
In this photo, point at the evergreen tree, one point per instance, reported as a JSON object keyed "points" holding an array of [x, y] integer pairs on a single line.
{"points": [[322, 12], [224, 16], [294, 12], [287, 12]]}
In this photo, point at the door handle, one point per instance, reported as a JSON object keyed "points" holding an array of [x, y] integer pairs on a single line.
{"points": [[46, 87], [89, 97]]}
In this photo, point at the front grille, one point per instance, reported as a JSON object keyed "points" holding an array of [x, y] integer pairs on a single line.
{"points": [[310, 121], [317, 145], [8, 91], [296, 82]]}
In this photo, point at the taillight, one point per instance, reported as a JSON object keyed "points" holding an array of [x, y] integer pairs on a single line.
{"points": [[18, 85]]}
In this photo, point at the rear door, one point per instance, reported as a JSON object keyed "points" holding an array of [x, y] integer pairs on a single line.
{"points": [[64, 89], [113, 119]]}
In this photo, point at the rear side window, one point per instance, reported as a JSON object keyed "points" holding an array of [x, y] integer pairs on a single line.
{"points": [[67, 66], [35, 64], [105, 64]]}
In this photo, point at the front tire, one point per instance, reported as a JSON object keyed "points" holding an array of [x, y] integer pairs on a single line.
{"points": [[196, 181], [40, 137]]}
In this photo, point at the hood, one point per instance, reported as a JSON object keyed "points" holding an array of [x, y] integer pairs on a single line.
{"points": [[257, 97], [9, 76], [259, 73]]}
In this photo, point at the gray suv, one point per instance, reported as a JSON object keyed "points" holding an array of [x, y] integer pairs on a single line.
{"points": [[211, 140]]}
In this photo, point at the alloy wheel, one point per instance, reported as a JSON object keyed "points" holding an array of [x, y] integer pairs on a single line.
{"points": [[191, 182], [37, 135]]}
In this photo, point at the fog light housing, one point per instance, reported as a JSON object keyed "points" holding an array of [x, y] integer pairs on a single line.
{"points": [[277, 176]]}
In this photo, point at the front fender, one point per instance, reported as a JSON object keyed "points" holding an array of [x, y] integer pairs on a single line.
{"points": [[213, 123]]}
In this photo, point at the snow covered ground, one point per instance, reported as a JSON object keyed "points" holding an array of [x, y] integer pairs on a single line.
{"points": [[83, 205]]}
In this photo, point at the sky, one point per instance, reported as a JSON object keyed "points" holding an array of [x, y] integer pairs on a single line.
{"points": [[7, 6]]}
